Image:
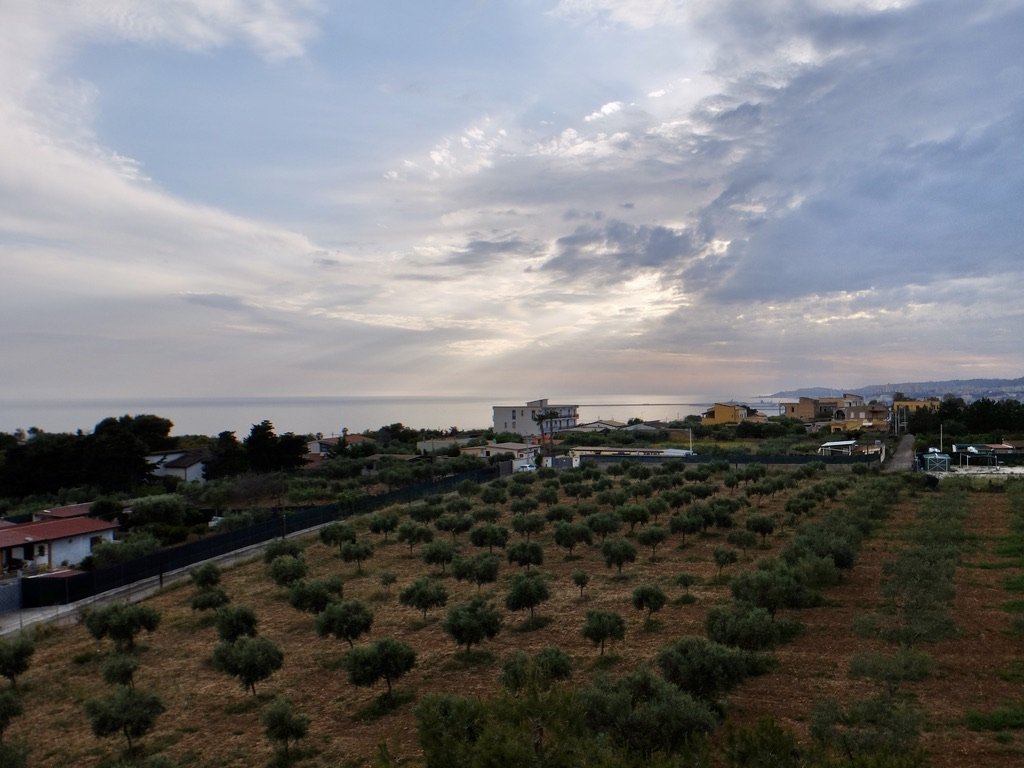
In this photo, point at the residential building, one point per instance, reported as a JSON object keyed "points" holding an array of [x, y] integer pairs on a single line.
{"points": [[517, 450], [731, 413], [187, 466], [63, 513], [51, 543], [873, 417], [521, 419]]}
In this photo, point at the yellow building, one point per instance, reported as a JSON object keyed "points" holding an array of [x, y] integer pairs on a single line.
{"points": [[731, 413]]}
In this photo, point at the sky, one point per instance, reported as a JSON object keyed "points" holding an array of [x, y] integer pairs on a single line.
{"points": [[217, 198]]}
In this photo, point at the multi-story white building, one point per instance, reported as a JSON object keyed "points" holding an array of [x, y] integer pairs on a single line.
{"points": [[522, 419]]}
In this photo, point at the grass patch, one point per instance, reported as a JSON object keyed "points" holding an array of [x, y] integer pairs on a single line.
{"points": [[687, 599], [1014, 583], [606, 662], [1007, 718], [248, 704], [990, 566], [1011, 546], [1013, 606], [384, 705], [1014, 673], [533, 623]]}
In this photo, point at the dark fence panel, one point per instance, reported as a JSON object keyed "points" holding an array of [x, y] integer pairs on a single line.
{"points": [[61, 590]]}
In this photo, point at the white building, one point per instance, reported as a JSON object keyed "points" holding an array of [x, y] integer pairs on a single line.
{"points": [[187, 466], [52, 543], [521, 419]]}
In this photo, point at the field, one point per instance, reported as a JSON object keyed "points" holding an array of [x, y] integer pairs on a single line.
{"points": [[210, 720]]}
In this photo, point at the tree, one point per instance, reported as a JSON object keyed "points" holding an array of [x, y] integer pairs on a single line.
{"points": [[440, 553], [685, 524], [705, 669], [357, 552], [568, 535], [724, 556], [414, 533], [602, 626], [286, 570], [548, 666], [336, 534], [618, 552], [266, 452], [205, 576], [527, 590], [489, 536], [453, 524], [604, 523], [387, 659], [652, 536], [580, 579], [226, 458], [280, 547], [250, 659], [526, 553], [473, 622], [314, 596], [772, 585], [347, 620], [126, 711], [14, 657], [649, 598], [481, 569], [233, 622], [762, 525], [121, 622], [634, 515], [283, 724], [742, 538], [643, 714], [423, 594], [119, 669], [384, 523], [10, 708], [527, 525], [209, 599]]}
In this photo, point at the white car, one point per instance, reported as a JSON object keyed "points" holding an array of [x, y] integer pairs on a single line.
{"points": [[527, 468]]}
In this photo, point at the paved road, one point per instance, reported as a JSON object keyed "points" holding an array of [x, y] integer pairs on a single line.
{"points": [[903, 458]]}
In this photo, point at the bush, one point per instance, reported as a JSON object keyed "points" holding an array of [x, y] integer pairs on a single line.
{"points": [[643, 714], [747, 627], [705, 669]]}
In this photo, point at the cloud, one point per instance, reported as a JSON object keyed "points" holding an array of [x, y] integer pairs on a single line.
{"points": [[607, 109]]}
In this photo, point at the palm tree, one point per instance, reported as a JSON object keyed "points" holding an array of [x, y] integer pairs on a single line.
{"points": [[542, 417]]}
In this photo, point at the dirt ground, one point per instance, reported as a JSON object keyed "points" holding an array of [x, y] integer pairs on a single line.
{"points": [[211, 721]]}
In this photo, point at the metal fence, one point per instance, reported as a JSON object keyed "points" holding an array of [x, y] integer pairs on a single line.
{"points": [[53, 590]]}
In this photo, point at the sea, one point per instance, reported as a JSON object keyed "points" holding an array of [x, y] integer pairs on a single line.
{"points": [[326, 416]]}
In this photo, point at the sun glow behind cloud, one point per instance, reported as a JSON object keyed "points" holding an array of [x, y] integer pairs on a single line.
{"points": [[645, 183]]}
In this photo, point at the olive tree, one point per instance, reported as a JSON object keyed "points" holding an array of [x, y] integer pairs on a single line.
{"points": [[250, 659], [387, 659], [122, 622], [347, 620], [126, 711], [601, 626], [473, 622], [14, 657], [423, 594]]}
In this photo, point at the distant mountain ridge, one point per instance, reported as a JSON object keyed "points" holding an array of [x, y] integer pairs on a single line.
{"points": [[968, 389]]}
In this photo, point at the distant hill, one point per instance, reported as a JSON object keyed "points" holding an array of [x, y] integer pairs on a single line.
{"points": [[968, 389]]}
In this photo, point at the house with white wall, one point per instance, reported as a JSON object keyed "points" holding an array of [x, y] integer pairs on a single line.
{"points": [[52, 543], [521, 419], [187, 466]]}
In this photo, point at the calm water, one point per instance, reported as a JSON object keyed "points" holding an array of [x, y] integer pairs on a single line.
{"points": [[327, 415]]}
